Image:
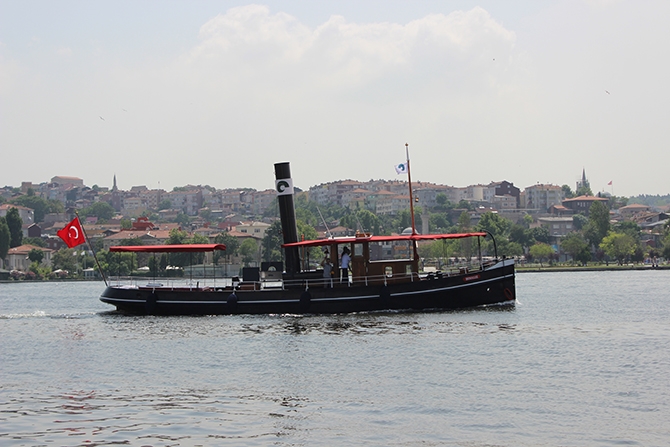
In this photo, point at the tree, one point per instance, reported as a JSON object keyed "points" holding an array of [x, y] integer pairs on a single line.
{"points": [[153, 265], [541, 251], [116, 264], [464, 222], [101, 210], [64, 259], [165, 204], [539, 234], [364, 220], [248, 250], [179, 237], [182, 219], [272, 242], [131, 241], [576, 246], [36, 241], [439, 222], [628, 227], [567, 192], [15, 225], [176, 237], [618, 246], [464, 204], [665, 252], [232, 245], [206, 214], [579, 221], [495, 224], [599, 223], [36, 255], [5, 237], [40, 206], [518, 234], [403, 220], [584, 190], [309, 233]]}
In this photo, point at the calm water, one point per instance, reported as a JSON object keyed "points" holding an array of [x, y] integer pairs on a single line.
{"points": [[582, 360]]}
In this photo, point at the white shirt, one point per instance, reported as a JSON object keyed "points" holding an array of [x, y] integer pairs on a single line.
{"points": [[345, 260]]}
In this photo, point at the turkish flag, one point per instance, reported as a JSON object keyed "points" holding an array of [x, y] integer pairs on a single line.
{"points": [[72, 234]]}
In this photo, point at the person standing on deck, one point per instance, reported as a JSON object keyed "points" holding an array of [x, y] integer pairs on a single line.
{"points": [[327, 271], [345, 265]]}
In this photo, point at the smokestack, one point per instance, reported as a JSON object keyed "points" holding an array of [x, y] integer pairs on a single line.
{"points": [[284, 188]]}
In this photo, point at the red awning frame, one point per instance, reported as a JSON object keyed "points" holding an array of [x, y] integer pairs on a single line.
{"points": [[184, 248]]}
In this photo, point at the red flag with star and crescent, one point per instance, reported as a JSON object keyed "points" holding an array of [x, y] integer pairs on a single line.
{"points": [[72, 234]]}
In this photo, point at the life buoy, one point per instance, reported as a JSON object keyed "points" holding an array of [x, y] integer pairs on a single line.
{"points": [[231, 303], [150, 303], [508, 294], [305, 301]]}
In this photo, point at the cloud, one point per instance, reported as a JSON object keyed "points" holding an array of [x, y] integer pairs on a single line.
{"points": [[250, 40], [264, 83], [256, 85]]}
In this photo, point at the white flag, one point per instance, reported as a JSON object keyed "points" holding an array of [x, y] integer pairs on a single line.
{"points": [[284, 187], [401, 168]]}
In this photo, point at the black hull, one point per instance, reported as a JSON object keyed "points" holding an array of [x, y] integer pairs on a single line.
{"points": [[495, 285]]}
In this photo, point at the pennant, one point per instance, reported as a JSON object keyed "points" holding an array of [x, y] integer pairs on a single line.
{"points": [[610, 183], [72, 234], [401, 168]]}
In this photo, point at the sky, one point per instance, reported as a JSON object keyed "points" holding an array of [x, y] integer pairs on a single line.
{"points": [[170, 93]]}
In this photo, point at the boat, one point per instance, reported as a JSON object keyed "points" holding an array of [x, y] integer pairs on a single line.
{"points": [[374, 283]]}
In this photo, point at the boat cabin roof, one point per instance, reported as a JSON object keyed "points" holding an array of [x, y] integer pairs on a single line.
{"points": [[402, 237]]}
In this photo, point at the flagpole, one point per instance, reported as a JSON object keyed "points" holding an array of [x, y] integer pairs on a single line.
{"points": [[411, 200], [91, 248]]}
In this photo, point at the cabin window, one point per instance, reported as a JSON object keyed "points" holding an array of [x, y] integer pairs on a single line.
{"points": [[408, 270], [358, 249], [386, 251], [388, 271]]}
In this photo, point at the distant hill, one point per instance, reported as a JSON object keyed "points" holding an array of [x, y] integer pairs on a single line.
{"points": [[649, 200]]}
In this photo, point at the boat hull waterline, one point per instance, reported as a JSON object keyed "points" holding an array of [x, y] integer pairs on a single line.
{"points": [[483, 287]]}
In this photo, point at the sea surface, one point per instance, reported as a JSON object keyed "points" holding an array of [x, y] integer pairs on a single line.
{"points": [[583, 359]]}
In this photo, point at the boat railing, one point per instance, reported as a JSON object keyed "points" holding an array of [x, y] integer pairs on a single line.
{"points": [[226, 283], [385, 279], [169, 282]]}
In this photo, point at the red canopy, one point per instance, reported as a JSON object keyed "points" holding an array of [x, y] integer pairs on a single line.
{"points": [[184, 248], [401, 237]]}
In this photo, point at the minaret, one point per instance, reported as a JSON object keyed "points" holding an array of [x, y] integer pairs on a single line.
{"points": [[583, 182], [116, 197]]}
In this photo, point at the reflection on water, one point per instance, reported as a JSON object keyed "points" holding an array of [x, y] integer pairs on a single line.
{"points": [[565, 366], [368, 324], [185, 417]]}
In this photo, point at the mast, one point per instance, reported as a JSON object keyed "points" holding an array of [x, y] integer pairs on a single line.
{"points": [[411, 204], [411, 199], [104, 278]]}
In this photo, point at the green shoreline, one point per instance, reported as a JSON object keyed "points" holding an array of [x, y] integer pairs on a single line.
{"points": [[600, 268]]}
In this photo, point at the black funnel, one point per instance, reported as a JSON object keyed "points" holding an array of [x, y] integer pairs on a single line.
{"points": [[284, 188]]}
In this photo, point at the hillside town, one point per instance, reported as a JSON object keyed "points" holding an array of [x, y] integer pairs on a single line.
{"points": [[542, 214]]}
